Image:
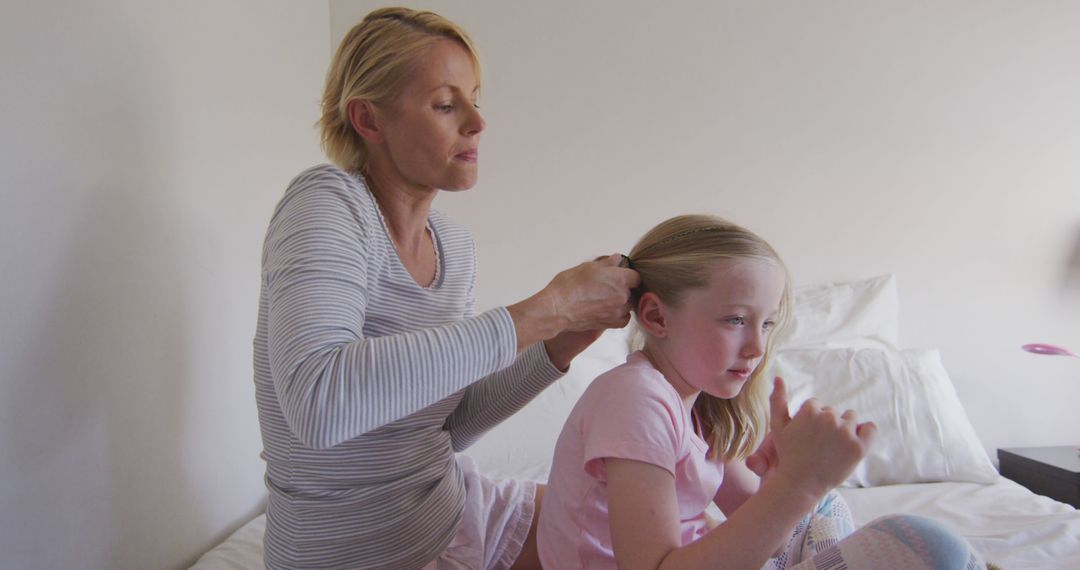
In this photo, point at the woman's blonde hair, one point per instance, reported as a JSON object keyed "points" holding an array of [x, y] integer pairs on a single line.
{"points": [[373, 63], [677, 256]]}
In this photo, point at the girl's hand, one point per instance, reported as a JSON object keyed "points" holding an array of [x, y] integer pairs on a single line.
{"points": [[764, 460], [817, 449]]}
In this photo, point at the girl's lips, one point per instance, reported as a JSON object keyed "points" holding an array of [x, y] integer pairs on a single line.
{"points": [[467, 156], [740, 372]]}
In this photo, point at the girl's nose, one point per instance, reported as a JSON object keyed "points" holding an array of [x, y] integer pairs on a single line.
{"points": [[755, 345]]}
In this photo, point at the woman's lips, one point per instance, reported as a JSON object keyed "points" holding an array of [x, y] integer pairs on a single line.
{"points": [[467, 156]]}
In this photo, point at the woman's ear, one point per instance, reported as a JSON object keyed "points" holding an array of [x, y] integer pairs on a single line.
{"points": [[364, 120], [652, 315]]}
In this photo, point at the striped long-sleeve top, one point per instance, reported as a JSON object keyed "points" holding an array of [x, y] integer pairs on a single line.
{"points": [[367, 383]]}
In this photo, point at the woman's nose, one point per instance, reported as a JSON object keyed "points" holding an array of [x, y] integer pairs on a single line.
{"points": [[474, 123]]}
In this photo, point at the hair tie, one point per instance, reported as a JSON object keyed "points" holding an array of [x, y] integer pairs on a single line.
{"points": [[641, 289]]}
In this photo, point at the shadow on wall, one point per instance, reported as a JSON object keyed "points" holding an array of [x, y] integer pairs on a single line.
{"points": [[95, 386], [1070, 277]]}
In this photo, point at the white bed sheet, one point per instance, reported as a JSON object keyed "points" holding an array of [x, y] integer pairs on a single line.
{"points": [[1009, 525]]}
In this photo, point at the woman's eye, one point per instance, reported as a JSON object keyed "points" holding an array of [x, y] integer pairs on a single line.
{"points": [[444, 107], [768, 325], [736, 321]]}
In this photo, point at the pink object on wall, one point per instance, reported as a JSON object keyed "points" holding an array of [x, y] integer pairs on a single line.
{"points": [[1051, 349]]}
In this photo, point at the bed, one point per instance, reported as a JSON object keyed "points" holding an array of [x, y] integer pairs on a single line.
{"points": [[842, 347]]}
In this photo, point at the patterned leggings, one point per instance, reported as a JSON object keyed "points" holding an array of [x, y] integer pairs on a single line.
{"points": [[826, 540]]}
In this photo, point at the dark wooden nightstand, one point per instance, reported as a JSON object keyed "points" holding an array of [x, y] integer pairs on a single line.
{"points": [[1050, 471]]}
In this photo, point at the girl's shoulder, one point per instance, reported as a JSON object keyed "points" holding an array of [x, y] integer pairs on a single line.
{"points": [[632, 405], [635, 382]]}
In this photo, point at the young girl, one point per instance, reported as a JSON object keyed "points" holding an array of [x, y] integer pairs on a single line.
{"points": [[652, 442]]}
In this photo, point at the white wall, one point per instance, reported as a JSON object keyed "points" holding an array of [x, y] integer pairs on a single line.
{"points": [[143, 145], [936, 141], [142, 148]]}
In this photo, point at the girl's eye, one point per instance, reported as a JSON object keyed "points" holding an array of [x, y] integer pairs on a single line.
{"points": [[768, 325], [476, 106], [444, 108], [736, 320]]}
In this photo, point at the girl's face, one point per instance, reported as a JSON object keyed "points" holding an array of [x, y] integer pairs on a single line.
{"points": [[716, 338], [432, 130]]}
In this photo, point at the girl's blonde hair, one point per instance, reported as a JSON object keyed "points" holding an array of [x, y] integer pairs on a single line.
{"points": [[677, 256], [373, 63]]}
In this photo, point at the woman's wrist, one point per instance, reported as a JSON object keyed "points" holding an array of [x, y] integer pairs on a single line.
{"points": [[556, 355], [535, 319], [565, 346]]}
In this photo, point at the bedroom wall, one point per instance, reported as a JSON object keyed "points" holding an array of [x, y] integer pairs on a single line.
{"points": [[937, 142], [142, 148], [143, 144]]}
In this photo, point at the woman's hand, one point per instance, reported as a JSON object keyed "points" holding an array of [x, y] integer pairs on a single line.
{"points": [[593, 295], [817, 449], [590, 297]]}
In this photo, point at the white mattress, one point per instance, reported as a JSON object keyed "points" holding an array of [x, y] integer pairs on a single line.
{"points": [[1008, 524]]}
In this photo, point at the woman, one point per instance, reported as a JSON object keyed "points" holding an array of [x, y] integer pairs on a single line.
{"points": [[371, 369]]}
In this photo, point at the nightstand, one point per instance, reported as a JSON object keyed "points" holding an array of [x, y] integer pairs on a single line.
{"points": [[1050, 471]]}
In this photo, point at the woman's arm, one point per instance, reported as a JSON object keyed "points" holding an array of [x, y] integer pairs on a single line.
{"points": [[494, 398], [332, 382]]}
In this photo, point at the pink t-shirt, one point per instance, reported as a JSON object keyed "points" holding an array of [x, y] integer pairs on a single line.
{"points": [[629, 412]]}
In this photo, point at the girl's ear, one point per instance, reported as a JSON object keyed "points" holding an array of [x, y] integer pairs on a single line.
{"points": [[652, 315], [365, 121]]}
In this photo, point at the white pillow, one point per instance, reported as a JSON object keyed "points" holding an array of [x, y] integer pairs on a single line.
{"points": [[522, 446], [852, 313], [923, 432]]}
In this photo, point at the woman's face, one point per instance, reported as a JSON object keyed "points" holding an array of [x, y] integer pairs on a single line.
{"points": [[432, 130]]}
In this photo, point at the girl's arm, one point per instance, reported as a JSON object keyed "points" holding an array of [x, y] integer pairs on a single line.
{"points": [[816, 450], [644, 518], [740, 483]]}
